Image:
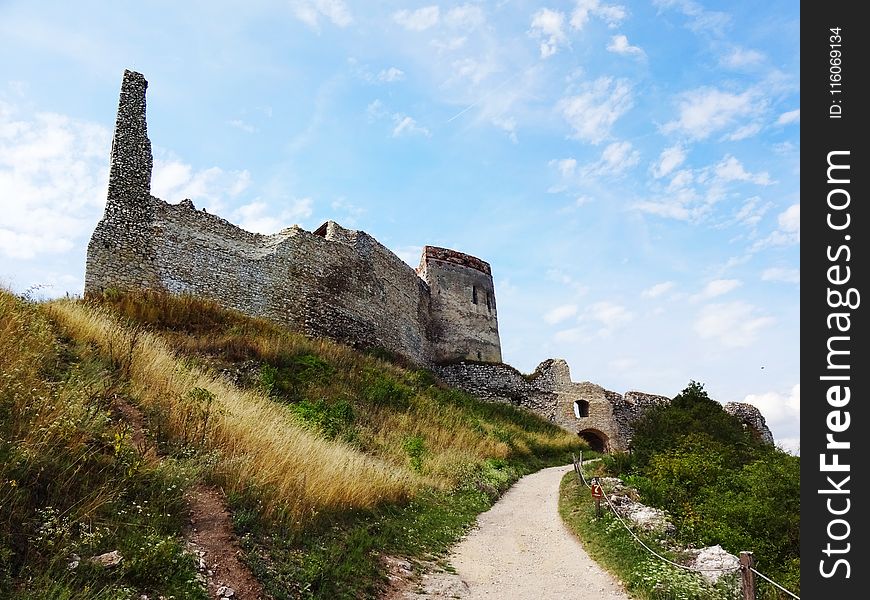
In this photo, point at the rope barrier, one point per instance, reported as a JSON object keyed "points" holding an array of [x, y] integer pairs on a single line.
{"points": [[579, 471], [766, 578]]}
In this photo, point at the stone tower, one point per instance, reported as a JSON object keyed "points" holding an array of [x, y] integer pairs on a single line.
{"points": [[464, 320], [121, 250]]}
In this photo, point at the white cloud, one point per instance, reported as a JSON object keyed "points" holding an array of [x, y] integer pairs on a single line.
{"points": [[787, 118], [592, 113], [53, 182], [671, 209], [609, 315], [405, 125], [619, 45], [704, 111], [741, 133], [752, 211], [782, 411], [734, 324], [418, 20], [781, 274], [547, 26], [560, 313], [467, 16], [173, 180], [738, 58], [612, 14], [717, 287], [376, 110], [615, 159], [410, 255], [731, 169], [699, 19], [658, 289], [790, 219], [310, 12], [390, 75], [239, 124], [255, 216], [572, 335], [566, 166], [669, 159]]}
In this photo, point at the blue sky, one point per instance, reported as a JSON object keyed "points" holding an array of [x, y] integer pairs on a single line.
{"points": [[630, 169]]}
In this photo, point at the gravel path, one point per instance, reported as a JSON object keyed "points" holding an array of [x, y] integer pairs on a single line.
{"points": [[521, 550]]}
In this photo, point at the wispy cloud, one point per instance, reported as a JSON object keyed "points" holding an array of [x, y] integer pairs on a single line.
{"points": [[787, 118], [418, 20], [738, 58], [311, 11], [592, 113], [705, 110], [734, 324], [619, 45], [717, 287], [669, 159], [406, 126], [658, 289], [53, 179], [584, 10], [781, 274], [174, 180], [788, 231], [547, 27], [258, 216], [390, 75], [560, 313]]}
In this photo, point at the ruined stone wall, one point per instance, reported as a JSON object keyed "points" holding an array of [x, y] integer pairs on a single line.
{"points": [[464, 317], [121, 248], [333, 282], [606, 416]]}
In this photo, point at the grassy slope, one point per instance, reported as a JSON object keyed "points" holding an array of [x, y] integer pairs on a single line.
{"points": [[330, 457]]}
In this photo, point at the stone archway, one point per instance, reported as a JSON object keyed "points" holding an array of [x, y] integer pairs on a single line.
{"points": [[596, 439]]}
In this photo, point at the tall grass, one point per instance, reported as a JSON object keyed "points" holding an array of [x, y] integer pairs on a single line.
{"points": [[296, 473], [70, 483]]}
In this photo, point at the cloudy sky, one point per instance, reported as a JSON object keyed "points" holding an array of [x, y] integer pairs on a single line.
{"points": [[629, 168]]}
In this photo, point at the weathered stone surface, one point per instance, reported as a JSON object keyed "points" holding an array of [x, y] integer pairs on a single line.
{"points": [[339, 284], [752, 419], [714, 562], [332, 282]]}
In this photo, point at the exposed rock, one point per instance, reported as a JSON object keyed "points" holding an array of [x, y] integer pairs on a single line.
{"points": [[713, 562], [752, 419], [109, 559]]}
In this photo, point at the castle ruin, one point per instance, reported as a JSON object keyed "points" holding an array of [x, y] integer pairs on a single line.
{"points": [[335, 283]]}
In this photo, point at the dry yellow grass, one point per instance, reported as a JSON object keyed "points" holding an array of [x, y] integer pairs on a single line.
{"points": [[296, 473]]}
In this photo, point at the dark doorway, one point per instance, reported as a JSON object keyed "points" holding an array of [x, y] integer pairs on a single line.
{"points": [[596, 440], [581, 408]]}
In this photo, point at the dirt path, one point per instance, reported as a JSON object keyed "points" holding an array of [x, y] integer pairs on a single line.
{"points": [[521, 550], [212, 538], [210, 534]]}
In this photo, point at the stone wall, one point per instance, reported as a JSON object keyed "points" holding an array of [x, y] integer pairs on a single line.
{"points": [[332, 282], [464, 317], [602, 417]]}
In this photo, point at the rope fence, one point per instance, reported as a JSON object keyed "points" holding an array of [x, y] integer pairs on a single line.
{"points": [[746, 559]]}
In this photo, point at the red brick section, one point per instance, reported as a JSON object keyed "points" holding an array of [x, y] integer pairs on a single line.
{"points": [[457, 258]]}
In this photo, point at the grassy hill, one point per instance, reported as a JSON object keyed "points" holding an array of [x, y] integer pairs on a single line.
{"points": [[330, 459]]}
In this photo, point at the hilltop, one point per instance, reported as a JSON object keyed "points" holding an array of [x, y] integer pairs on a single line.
{"points": [[332, 463]]}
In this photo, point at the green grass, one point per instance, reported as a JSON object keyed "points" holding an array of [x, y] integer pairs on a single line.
{"points": [[613, 548], [71, 484], [331, 458]]}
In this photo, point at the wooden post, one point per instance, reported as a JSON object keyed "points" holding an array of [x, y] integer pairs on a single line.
{"points": [[747, 561], [598, 508], [581, 459]]}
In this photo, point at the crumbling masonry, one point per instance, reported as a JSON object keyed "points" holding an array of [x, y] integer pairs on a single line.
{"points": [[334, 283]]}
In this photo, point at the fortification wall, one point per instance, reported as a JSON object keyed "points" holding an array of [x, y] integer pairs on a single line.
{"points": [[464, 316], [601, 416], [333, 282]]}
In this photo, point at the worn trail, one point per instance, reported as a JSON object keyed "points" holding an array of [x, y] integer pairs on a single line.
{"points": [[521, 550]]}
